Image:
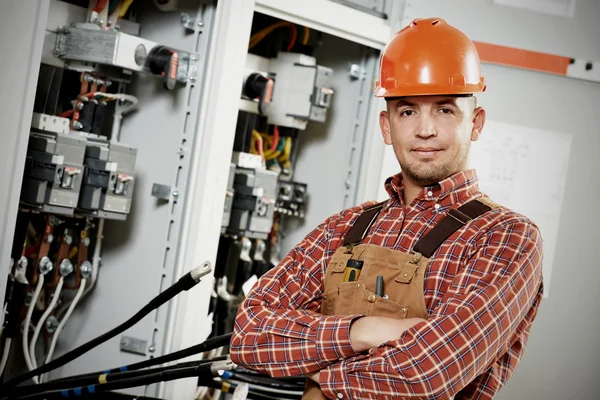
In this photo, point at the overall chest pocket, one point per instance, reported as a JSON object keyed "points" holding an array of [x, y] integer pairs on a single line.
{"points": [[351, 298], [402, 294]]}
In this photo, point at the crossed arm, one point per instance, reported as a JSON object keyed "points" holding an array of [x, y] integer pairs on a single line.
{"points": [[279, 331]]}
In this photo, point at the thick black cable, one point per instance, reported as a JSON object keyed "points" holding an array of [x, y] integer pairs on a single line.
{"points": [[207, 345], [148, 379], [264, 381], [184, 283], [298, 379], [95, 379]]}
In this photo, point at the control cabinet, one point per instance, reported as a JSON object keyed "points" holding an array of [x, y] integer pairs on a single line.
{"points": [[153, 137]]}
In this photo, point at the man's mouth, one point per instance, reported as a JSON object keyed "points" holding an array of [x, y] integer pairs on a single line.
{"points": [[426, 151]]}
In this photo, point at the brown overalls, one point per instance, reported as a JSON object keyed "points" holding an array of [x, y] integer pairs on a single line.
{"points": [[403, 274]]}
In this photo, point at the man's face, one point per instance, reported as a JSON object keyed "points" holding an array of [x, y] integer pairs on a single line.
{"points": [[431, 135]]}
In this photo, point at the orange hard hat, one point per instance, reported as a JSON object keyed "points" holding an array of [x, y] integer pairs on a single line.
{"points": [[429, 57]]}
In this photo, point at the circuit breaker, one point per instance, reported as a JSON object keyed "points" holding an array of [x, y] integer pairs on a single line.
{"points": [[291, 198], [290, 89], [53, 169], [108, 180], [253, 202]]}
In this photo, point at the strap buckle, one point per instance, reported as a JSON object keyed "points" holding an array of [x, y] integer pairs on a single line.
{"points": [[417, 257]]}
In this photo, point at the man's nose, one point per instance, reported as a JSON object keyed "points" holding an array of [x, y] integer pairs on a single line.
{"points": [[426, 128]]}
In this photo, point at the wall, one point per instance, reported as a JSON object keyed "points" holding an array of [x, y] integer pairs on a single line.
{"points": [[561, 357]]}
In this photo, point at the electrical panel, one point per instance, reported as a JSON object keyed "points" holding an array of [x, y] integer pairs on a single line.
{"points": [[116, 161]]}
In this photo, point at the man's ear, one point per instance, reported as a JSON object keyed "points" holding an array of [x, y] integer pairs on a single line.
{"points": [[384, 124], [479, 116]]}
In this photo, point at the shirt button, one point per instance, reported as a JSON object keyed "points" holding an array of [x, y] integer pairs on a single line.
{"points": [[430, 193], [371, 298], [340, 396], [437, 206]]}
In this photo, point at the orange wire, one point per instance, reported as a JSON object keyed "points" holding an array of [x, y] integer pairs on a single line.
{"points": [[294, 37], [275, 138], [100, 6]]}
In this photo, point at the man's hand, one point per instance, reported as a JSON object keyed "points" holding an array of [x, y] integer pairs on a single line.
{"points": [[369, 332]]}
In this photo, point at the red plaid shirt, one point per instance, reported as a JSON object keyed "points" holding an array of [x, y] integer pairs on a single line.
{"points": [[482, 293]]}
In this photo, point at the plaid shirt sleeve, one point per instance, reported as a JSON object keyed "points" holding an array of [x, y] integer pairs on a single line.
{"points": [[278, 329], [499, 285]]}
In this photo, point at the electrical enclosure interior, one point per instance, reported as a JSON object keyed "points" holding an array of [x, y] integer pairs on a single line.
{"points": [[115, 151]]}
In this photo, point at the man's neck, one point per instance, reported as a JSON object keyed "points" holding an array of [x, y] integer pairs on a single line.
{"points": [[411, 191]]}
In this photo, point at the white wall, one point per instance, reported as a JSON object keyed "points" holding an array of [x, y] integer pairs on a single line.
{"points": [[561, 358]]}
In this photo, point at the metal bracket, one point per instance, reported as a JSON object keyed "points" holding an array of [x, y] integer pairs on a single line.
{"points": [[61, 41], [130, 344], [356, 72], [164, 192], [188, 21]]}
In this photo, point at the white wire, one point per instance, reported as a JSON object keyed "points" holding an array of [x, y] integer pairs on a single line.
{"points": [[120, 96], [119, 112], [4, 361], [201, 392], [42, 321], [36, 294], [62, 323]]}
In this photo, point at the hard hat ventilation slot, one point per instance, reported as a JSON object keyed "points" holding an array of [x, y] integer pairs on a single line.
{"points": [[435, 22]]}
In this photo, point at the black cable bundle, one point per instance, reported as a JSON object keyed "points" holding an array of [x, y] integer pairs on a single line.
{"points": [[186, 282], [131, 379]]}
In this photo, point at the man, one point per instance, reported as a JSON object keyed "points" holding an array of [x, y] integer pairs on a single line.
{"points": [[429, 295]]}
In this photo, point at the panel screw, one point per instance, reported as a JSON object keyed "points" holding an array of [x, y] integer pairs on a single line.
{"points": [[45, 265]]}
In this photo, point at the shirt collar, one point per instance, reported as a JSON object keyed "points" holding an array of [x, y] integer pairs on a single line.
{"points": [[451, 190]]}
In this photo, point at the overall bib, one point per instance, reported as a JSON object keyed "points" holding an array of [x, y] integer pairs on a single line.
{"points": [[403, 274]]}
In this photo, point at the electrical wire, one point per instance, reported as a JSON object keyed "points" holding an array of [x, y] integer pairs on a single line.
{"points": [[119, 96], [275, 138], [261, 381], [42, 321], [100, 5], [186, 282], [5, 353], [146, 379], [92, 379], [306, 36], [25, 343], [209, 344], [112, 5], [63, 322], [124, 8], [263, 33], [258, 143], [119, 112]]}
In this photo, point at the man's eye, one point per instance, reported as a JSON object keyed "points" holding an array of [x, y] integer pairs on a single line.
{"points": [[446, 111], [407, 113]]}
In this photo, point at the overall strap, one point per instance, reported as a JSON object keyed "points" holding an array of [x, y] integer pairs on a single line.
{"points": [[361, 226], [452, 222]]}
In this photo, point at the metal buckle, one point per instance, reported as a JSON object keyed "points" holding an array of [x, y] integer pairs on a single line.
{"points": [[417, 257], [458, 216]]}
